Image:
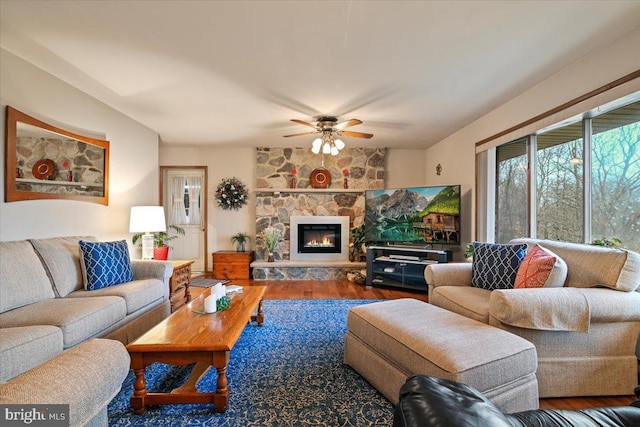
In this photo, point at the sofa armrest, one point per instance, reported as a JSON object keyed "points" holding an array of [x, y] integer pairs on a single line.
{"points": [[430, 401], [86, 377], [551, 309], [454, 274], [143, 269]]}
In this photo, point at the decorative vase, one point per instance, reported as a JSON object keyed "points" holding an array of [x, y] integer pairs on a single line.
{"points": [[270, 257], [345, 183], [161, 253], [294, 182], [70, 176], [240, 247]]}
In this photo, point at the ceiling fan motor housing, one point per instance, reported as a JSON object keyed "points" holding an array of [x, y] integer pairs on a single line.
{"points": [[326, 123]]}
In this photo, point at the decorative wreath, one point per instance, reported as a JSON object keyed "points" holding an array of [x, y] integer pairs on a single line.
{"points": [[231, 193]]}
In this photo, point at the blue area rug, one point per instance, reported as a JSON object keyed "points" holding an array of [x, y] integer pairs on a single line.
{"points": [[287, 373]]}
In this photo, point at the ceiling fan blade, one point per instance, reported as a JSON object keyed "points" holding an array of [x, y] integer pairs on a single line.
{"points": [[304, 123], [347, 124], [300, 134], [357, 134]]}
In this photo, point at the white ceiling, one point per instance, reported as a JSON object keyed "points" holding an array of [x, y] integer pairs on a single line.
{"points": [[234, 73]]}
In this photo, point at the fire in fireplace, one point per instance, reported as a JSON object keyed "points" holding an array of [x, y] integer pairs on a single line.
{"points": [[319, 238]]}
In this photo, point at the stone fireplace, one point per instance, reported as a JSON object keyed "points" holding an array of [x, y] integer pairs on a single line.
{"points": [[277, 204], [319, 238]]}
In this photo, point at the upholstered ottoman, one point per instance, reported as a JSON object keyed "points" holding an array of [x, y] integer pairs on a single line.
{"points": [[388, 341]]}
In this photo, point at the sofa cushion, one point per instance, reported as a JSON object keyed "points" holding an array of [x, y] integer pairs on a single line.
{"points": [[20, 285], [495, 266], [25, 347], [591, 266], [105, 264], [465, 300], [541, 268], [61, 258], [86, 378], [78, 318], [137, 294]]}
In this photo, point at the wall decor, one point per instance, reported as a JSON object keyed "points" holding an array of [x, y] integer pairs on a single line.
{"points": [[320, 178], [43, 161], [231, 194]]}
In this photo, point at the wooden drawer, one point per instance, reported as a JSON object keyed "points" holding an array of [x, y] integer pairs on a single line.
{"points": [[179, 283], [232, 265]]}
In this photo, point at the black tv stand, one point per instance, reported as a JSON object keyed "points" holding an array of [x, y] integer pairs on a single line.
{"points": [[402, 266]]}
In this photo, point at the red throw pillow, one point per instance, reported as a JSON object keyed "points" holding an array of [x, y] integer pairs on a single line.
{"points": [[536, 268]]}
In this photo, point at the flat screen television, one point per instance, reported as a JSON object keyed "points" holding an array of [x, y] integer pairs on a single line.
{"points": [[417, 215]]}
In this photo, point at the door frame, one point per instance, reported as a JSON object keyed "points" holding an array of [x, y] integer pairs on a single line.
{"points": [[203, 205]]}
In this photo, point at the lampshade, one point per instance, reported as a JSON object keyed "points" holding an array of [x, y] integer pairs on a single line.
{"points": [[327, 144], [315, 146], [146, 219]]}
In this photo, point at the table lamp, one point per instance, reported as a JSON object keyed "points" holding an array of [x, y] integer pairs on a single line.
{"points": [[147, 220]]}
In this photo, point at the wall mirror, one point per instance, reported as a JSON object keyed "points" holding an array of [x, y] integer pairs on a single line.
{"points": [[45, 162]]}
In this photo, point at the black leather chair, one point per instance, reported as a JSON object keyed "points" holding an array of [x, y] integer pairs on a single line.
{"points": [[428, 401]]}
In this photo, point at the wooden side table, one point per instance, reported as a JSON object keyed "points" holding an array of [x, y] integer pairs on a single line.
{"points": [[232, 264], [179, 283]]}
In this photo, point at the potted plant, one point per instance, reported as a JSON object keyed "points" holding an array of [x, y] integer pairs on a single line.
{"points": [[240, 239], [468, 253], [357, 243], [606, 242], [270, 238], [160, 239]]}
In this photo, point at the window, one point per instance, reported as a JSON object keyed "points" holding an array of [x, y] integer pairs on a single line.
{"points": [[615, 176], [585, 184], [559, 195], [511, 184]]}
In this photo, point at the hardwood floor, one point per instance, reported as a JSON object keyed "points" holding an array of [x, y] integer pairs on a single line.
{"points": [[342, 289]]}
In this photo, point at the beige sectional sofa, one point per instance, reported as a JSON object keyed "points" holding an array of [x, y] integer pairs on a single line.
{"points": [[52, 329], [585, 333]]}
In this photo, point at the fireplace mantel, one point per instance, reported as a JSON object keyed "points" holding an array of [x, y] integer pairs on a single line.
{"points": [[308, 190]]}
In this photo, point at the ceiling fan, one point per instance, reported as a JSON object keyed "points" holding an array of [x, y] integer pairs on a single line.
{"points": [[328, 125]]}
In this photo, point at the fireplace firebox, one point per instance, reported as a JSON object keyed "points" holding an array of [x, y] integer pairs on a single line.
{"points": [[319, 238]]}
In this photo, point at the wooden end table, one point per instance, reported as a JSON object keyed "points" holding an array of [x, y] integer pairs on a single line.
{"points": [[179, 283], [232, 265], [186, 337]]}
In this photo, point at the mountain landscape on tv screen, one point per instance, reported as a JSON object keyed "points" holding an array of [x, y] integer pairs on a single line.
{"points": [[413, 215]]}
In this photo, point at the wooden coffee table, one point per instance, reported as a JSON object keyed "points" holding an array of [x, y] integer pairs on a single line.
{"points": [[186, 337]]}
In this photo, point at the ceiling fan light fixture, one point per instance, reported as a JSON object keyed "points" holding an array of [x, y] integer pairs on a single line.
{"points": [[330, 130], [316, 145]]}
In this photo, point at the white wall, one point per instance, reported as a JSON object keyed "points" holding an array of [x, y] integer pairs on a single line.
{"points": [[133, 172], [404, 168], [221, 163], [456, 153]]}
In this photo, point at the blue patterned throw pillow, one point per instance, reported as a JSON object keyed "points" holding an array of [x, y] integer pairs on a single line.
{"points": [[105, 264], [496, 266]]}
